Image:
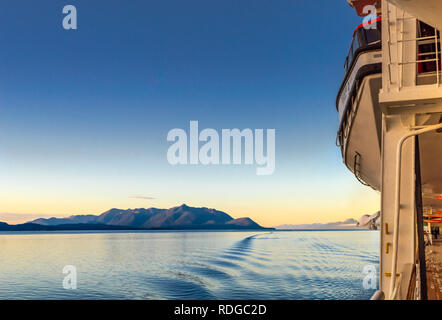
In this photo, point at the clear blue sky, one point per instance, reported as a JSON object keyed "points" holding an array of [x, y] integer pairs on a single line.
{"points": [[84, 114]]}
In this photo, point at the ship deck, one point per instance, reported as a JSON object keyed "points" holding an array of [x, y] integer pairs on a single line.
{"points": [[434, 269]]}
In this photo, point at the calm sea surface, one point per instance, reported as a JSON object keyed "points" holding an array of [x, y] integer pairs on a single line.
{"points": [[188, 265]]}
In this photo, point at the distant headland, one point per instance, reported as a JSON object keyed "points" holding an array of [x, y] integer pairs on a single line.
{"points": [[177, 218]]}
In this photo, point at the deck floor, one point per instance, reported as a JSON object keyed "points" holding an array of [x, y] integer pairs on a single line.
{"points": [[434, 269]]}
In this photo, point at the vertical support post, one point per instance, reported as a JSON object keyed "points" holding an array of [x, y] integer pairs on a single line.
{"points": [[420, 225], [393, 132], [437, 55]]}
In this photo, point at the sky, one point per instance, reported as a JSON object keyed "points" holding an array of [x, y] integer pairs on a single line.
{"points": [[85, 113]]}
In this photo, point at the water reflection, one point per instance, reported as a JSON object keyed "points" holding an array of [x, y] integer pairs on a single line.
{"points": [[188, 265]]}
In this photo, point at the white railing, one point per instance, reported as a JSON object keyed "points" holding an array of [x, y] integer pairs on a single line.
{"points": [[398, 62], [378, 295], [397, 288]]}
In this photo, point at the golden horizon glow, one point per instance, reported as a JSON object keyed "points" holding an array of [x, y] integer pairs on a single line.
{"points": [[285, 209]]}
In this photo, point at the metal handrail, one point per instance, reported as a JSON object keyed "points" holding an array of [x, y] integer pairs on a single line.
{"points": [[357, 168], [378, 295], [396, 289], [417, 61], [401, 63], [418, 38]]}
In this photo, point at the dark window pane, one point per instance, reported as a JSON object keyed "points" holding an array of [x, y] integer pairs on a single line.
{"points": [[372, 35]]}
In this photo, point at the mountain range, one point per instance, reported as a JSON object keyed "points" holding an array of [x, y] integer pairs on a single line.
{"points": [[182, 217], [349, 224]]}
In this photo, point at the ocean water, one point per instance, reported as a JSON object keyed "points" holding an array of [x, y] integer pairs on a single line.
{"points": [[188, 265]]}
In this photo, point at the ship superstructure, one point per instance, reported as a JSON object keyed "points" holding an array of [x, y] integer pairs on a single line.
{"points": [[390, 135]]}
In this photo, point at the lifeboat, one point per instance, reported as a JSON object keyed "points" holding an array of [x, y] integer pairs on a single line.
{"points": [[359, 133]]}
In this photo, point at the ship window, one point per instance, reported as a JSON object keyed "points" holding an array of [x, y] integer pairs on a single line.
{"points": [[362, 37], [363, 40], [356, 45], [373, 35]]}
